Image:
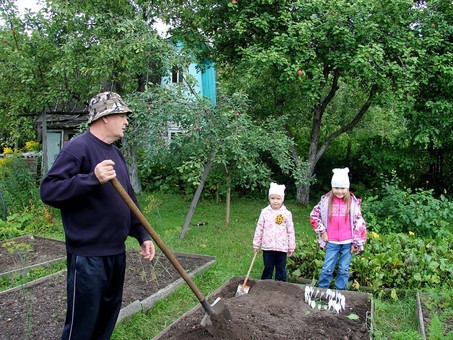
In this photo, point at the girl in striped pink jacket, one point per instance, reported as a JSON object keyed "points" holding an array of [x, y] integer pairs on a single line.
{"points": [[341, 229]]}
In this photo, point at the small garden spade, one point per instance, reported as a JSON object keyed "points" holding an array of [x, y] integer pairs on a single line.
{"points": [[243, 288], [218, 307]]}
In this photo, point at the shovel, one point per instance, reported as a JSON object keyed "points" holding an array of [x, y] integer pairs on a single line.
{"points": [[243, 288], [218, 307]]}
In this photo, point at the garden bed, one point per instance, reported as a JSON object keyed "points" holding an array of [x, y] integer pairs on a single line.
{"points": [[437, 305], [37, 310], [275, 310], [23, 253]]}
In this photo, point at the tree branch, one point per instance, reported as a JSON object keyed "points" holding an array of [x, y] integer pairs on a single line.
{"points": [[351, 124]]}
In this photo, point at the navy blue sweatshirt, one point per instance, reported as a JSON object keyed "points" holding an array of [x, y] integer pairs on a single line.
{"points": [[95, 218]]}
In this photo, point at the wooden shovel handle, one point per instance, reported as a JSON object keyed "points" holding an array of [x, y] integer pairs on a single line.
{"points": [[125, 196], [250, 269]]}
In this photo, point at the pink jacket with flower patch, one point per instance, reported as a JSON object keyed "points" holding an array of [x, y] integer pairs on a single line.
{"points": [[319, 221], [275, 230]]}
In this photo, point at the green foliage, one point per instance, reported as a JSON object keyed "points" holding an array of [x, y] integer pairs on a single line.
{"points": [[435, 329], [321, 64], [389, 261], [394, 209], [18, 187], [404, 261], [162, 176], [32, 220], [14, 226], [438, 305], [395, 319], [68, 51], [243, 147], [25, 211], [307, 260]]}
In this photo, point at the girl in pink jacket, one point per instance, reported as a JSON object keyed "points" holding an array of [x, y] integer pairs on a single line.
{"points": [[341, 229], [274, 234]]}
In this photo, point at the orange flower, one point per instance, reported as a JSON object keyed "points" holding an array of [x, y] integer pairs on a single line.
{"points": [[279, 219]]}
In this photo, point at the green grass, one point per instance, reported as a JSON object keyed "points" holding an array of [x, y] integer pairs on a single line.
{"points": [[439, 306], [396, 319], [232, 247], [11, 281]]}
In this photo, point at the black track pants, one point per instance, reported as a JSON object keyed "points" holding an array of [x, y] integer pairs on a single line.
{"points": [[94, 291]]}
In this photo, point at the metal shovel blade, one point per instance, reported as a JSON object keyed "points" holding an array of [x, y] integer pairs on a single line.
{"points": [[242, 289], [217, 308]]}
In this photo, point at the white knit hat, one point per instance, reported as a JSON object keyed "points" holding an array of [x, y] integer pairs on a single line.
{"points": [[276, 189], [340, 178]]}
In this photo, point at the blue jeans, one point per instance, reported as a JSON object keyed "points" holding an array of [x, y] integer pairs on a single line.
{"points": [[340, 253]]}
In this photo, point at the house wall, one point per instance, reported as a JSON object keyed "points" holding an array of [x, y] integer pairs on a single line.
{"points": [[205, 80], [208, 81]]}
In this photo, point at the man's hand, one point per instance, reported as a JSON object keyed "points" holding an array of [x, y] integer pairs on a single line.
{"points": [[148, 252], [105, 171]]}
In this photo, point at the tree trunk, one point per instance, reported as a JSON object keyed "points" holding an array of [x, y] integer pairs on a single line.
{"points": [[316, 151], [303, 189], [228, 199], [197, 195], [133, 173], [132, 167]]}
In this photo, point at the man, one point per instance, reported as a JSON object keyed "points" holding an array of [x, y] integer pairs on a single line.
{"points": [[96, 220]]}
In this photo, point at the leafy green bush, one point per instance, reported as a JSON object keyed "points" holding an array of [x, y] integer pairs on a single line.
{"points": [[404, 261], [26, 214], [32, 220], [159, 176], [18, 187], [307, 260], [389, 261], [396, 210]]}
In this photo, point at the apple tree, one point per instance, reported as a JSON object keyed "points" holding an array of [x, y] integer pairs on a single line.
{"points": [[222, 136], [56, 59], [297, 56]]}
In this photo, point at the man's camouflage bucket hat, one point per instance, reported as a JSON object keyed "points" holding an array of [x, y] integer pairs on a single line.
{"points": [[106, 103]]}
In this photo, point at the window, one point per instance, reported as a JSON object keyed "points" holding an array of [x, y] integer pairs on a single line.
{"points": [[176, 75]]}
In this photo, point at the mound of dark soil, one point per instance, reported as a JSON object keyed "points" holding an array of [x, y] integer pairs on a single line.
{"points": [[275, 310]]}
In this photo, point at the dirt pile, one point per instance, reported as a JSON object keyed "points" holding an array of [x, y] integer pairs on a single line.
{"points": [[276, 310]]}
